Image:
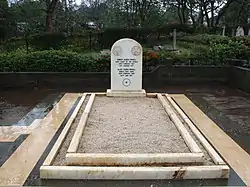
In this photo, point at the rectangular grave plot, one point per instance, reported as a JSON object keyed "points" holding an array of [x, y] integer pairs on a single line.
{"points": [[140, 134], [177, 166]]}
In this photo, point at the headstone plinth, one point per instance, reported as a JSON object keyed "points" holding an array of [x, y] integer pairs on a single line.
{"points": [[115, 93], [126, 69]]}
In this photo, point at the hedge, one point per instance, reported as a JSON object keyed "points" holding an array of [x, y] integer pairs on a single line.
{"points": [[48, 61], [206, 39], [65, 61]]}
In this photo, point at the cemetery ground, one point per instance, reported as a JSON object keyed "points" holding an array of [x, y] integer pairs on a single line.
{"points": [[69, 131]]}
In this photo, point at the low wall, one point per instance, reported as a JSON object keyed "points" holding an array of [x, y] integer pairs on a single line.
{"points": [[240, 78], [161, 76]]}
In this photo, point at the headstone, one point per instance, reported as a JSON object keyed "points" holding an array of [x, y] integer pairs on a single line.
{"points": [[126, 69], [174, 39], [223, 31], [158, 48], [240, 31]]}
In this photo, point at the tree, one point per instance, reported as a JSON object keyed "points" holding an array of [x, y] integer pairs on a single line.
{"points": [[29, 13], [3, 18], [50, 8]]}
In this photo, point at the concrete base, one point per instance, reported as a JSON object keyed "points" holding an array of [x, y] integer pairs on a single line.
{"points": [[118, 93]]}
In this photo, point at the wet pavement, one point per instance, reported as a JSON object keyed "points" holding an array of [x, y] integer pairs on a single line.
{"points": [[227, 107], [20, 107], [7, 148]]}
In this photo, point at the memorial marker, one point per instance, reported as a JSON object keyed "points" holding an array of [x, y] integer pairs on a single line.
{"points": [[126, 69]]}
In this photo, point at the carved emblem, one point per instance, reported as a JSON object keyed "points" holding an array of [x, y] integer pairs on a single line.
{"points": [[136, 50], [126, 82], [117, 51]]}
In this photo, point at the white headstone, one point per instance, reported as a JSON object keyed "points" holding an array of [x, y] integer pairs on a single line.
{"points": [[223, 30], [240, 31], [126, 69]]}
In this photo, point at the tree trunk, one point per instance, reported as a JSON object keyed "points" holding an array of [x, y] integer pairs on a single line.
{"points": [[212, 13], [207, 16], [49, 27], [183, 14], [179, 14], [51, 5]]}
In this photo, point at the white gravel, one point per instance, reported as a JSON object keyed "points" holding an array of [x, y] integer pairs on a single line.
{"points": [[130, 125]]}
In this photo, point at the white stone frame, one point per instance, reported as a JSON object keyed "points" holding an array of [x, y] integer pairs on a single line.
{"points": [[74, 158], [48, 171]]}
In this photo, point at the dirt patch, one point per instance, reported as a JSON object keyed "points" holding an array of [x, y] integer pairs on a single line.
{"points": [[130, 125]]}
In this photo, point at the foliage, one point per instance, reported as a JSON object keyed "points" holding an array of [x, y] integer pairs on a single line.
{"points": [[13, 44], [214, 50], [220, 53], [66, 16], [206, 39], [244, 39], [110, 35], [3, 18], [55, 61], [47, 61], [47, 40]]}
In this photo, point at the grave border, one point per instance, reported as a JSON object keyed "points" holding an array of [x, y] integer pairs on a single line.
{"points": [[74, 158], [207, 146], [48, 171], [134, 173]]}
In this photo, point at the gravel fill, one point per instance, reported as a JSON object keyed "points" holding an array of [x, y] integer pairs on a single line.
{"points": [[60, 157], [130, 125]]}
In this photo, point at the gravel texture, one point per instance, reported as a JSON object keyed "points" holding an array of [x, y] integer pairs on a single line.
{"points": [[60, 157], [130, 125]]}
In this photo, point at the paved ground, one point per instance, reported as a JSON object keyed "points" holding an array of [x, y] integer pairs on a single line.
{"points": [[229, 108], [15, 104]]}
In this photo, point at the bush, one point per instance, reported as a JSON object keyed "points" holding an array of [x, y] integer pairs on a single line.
{"points": [[45, 41], [59, 61], [206, 39], [167, 29], [220, 53], [13, 44], [244, 39], [48, 61]]}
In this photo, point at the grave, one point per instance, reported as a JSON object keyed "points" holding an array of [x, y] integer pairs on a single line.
{"points": [[126, 69], [239, 31], [128, 134]]}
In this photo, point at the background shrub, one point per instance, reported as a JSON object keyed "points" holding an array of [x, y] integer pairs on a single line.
{"points": [[59, 61], [45, 41], [206, 39]]}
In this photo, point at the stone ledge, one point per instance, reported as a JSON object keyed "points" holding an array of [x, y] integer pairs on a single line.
{"points": [[134, 173], [136, 93]]}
